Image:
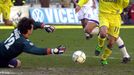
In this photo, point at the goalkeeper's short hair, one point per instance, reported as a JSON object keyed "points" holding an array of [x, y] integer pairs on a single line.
{"points": [[25, 24]]}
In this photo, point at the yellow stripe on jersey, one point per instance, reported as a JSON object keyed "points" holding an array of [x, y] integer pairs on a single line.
{"points": [[112, 6], [82, 2]]}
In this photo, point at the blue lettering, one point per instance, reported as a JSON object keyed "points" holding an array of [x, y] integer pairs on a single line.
{"points": [[63, 15], [70, 16], [56, 16], [49, 15]]}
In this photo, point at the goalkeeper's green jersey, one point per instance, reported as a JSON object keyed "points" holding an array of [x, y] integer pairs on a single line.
{"points": [[112, 6], [16, 43]]}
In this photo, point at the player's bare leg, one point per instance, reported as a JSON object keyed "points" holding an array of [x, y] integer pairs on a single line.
{"points": [[101, 39], [108, 49], [88, 29], [120, 43], [84, 23]]}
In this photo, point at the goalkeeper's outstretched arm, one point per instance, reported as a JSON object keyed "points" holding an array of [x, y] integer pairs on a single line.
{"points": [[48, 28], [32, 49]]}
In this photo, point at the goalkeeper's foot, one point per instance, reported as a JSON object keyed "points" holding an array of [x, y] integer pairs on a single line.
{"points": [[98, 50], [126, 60], [104, 62]]}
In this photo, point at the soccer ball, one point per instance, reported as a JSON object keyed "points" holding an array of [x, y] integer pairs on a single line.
{"points": [[79, 57]]}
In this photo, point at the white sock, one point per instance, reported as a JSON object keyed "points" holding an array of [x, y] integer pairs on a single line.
{"points": [[122, 48], [95, 30]]}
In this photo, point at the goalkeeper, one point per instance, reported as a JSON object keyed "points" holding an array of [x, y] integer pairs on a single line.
{"points": [[18, 42], [5, 6]]}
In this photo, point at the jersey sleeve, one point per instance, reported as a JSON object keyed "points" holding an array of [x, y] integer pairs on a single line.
{"points": [[82, 2], [29, 47], [38, 25]]}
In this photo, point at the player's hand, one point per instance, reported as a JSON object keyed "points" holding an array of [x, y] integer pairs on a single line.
{"points": [[77, 8], [49, 28], [59, 50]]}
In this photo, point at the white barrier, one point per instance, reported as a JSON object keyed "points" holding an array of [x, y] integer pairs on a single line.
{"points": [[18, 12], [46, 15], [54, 15]]}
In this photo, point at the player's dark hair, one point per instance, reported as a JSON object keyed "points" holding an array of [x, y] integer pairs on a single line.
{"points": [[25, 24]]}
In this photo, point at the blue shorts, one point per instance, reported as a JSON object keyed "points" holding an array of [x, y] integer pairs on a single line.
{"points": [[8, 63]]}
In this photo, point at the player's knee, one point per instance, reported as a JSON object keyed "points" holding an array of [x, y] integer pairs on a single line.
{"points": [[103, 35], [14, 63], [89, 27], [103, 32], [87, 30]]}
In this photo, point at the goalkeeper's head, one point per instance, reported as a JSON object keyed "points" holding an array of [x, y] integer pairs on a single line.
{"points": [[25, 26]]}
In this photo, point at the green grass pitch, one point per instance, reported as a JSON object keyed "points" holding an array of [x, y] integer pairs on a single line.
{"points": [[73, 39]]}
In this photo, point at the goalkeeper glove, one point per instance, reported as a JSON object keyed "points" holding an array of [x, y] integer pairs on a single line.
{"points": [[59, 50], [49, 28]]}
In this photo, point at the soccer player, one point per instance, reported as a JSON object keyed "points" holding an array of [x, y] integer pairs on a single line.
{"points": [[5, 6], [18, 42], [87, 11], [110, 23]]}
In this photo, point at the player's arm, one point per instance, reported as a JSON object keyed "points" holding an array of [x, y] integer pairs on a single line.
{"points": [[32, 49], [80, 4], [125, 3], [74, 1], [41, 25]]}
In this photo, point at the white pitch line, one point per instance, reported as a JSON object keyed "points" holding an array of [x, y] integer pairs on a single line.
{"points": [[7, 73]]}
